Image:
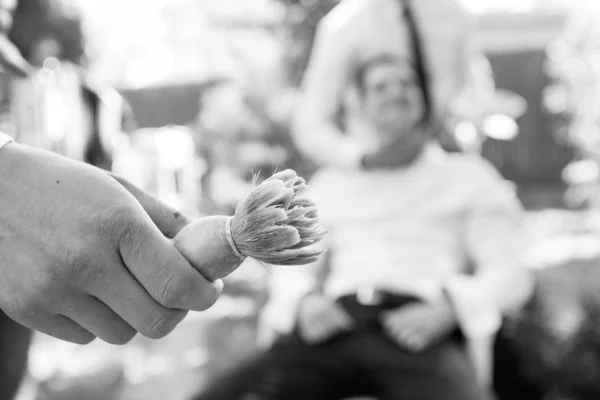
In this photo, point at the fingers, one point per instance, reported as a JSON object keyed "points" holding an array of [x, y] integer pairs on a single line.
{"points": [[341, 318], [419, 326], [65, 329], [319, 332], [411, 340], [165, 274], [325, 323], [126, 297], [407, 328], [333, 317], [168, 220], [154, 261], [57, 326], [95, 317]]}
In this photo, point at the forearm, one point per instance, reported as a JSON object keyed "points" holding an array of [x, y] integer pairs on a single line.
{"points": [[325, 83]]}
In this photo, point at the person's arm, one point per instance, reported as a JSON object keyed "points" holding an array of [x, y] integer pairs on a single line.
{"points": [[499, 285], [327, 77], [493, 242], [81, 258]]}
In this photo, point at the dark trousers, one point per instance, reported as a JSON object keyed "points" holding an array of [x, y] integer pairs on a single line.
{"points": [[363, 362], [14, 347]]}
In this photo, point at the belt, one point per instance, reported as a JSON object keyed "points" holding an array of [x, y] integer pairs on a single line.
{"points": [[365, 307], [371, 297]]}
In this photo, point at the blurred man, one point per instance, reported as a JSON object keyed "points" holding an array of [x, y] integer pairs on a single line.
{"points": [[389, 313]]}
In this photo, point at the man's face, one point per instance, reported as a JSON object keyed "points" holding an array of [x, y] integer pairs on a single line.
{"points": [[392, 98]]}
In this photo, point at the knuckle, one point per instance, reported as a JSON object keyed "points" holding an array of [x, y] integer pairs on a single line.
{"points": [[78, 267], [46, 290], [113, 222], [133, 235], [163, 324]]}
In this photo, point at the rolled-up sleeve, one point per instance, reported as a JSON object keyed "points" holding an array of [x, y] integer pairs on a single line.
{"points": [[327, 77], [499, 284]]}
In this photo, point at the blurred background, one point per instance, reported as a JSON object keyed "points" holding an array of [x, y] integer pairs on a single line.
{"points": [[190, 99]]}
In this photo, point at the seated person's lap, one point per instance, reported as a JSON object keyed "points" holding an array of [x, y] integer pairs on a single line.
{"points": [[363, 361]]}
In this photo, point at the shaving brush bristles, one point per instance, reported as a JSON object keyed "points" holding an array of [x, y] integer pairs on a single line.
{"points": [[276, 225]]}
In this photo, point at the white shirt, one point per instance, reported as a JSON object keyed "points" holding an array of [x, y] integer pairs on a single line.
{"points": [[413, 231]]}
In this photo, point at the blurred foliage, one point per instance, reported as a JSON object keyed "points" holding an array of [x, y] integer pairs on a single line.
{"points": [[48, 22], [573, 66], [299, 27], [275, 110], [556, 340], [266, 129], [244, 136]]}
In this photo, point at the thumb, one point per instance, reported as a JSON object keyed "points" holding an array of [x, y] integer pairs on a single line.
{"points": [[168, 220]]}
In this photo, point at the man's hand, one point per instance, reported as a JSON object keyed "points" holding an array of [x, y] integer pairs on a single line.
{"points": [[319, 319], [81, 258], [415, 327]]}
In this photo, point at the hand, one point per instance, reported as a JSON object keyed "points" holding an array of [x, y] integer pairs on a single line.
{"points": [[319, 319], [416, 327], [80, 258]]}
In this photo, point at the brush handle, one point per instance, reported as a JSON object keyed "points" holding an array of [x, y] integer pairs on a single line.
{"points": [[205, 245]]}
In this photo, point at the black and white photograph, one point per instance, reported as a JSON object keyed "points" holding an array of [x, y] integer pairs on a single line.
{"points": [[299, 200]]}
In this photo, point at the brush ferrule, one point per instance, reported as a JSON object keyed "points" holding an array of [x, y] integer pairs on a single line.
{"points": [[229, 236]]}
